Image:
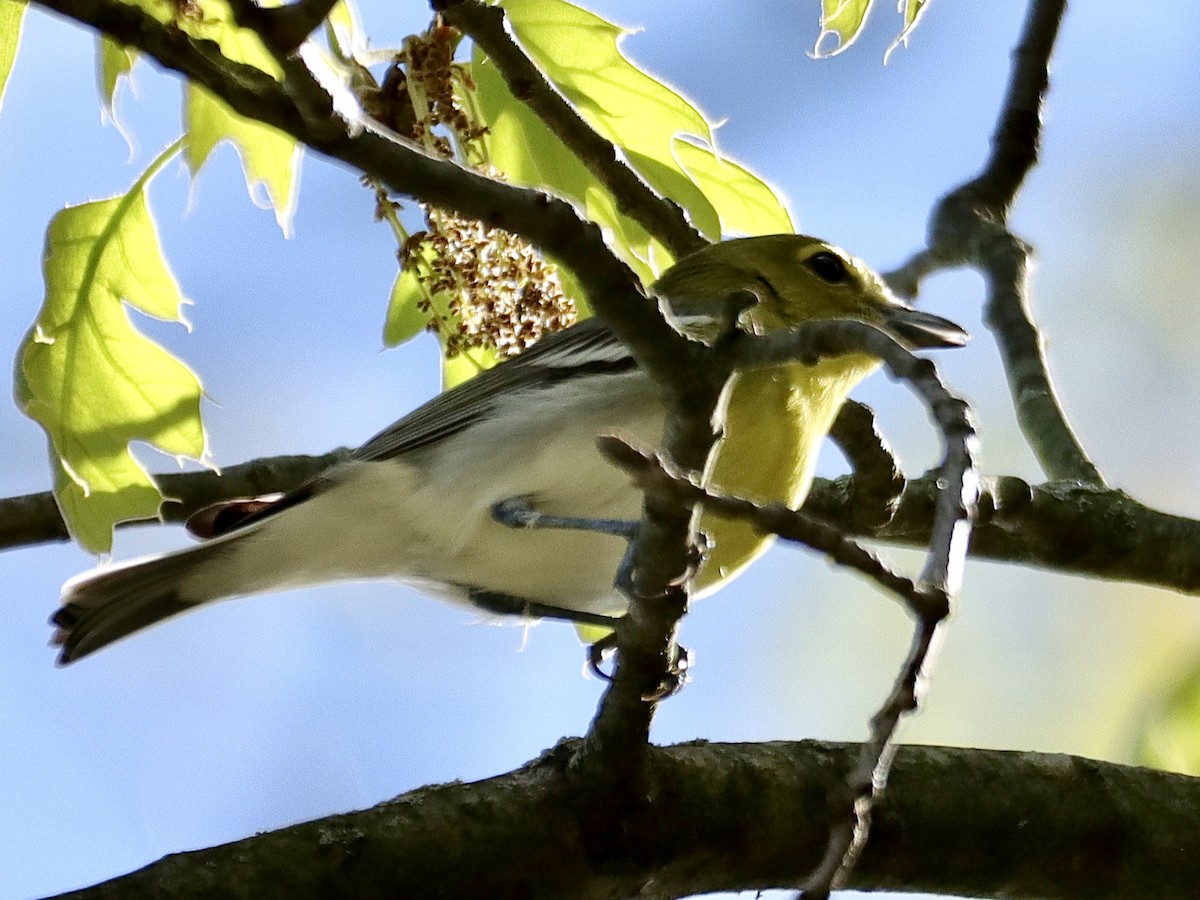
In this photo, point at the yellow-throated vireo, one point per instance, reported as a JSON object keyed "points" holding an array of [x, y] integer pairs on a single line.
{"points": [[416, 502]]}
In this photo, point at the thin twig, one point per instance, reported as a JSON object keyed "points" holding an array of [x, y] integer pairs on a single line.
{"points": [[878, 481], [661, 564], [35, 518], [653, 474], [940, 578], [663, 219], [970, 227]]}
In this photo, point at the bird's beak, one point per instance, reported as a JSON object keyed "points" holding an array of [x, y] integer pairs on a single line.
{"points": [[921, 330]]}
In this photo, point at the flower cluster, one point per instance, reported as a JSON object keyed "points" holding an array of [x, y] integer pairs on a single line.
{"points": [[498, 291], [432, 76], [501, 294]]}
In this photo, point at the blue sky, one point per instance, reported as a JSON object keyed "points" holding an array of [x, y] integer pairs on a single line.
{"points": [[253, 715]]}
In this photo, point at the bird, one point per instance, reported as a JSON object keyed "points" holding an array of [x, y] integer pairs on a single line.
{"points": [[417, 503]]}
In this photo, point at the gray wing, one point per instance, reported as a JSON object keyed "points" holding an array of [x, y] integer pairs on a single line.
{"points": [[586, 348]]}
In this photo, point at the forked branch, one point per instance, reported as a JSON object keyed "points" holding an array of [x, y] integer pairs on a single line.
{"points": [[969, 226]]}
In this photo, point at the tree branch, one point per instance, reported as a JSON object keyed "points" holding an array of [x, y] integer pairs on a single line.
{"points": [[301, 107], [852, 806], [878, 480], [35, 519], [728, 817], [660, 567], [969, 226], [664, 220], [282, 28], [1063, 527]]}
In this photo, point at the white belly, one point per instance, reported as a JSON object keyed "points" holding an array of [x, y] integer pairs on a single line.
{"points": [[425, 518]]}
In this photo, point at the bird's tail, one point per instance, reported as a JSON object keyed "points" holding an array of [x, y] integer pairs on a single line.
{"points": [[107, 604]]}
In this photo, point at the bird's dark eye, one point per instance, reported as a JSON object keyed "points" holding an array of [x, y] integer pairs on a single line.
{"points": [[828, 266]]}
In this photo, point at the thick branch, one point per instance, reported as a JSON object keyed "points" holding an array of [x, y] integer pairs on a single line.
{"points": [[727, 817], [1099, 533], [1066, 527]]}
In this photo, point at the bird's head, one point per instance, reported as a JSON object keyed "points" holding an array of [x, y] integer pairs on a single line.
{"points": [[785, 280]]}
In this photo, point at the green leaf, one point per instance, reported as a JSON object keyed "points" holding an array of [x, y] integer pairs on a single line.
{"points": [[1170, 735], [466, 365], [669, 179], [913, 10], [521, 147], [580, 54], [346, 38], [12, 15], [746, 204], [269, 157], [404, 319], [115, 61], [660, 133], [213, 20], [94, 382], [843, 20]]}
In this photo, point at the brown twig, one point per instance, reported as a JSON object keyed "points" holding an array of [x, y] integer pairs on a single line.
{"points": [[969, 226], [940, 579], [661, 564], [653, 474], [878, 481]]}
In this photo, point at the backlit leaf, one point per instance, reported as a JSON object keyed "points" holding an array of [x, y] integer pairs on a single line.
{"points": [[114, 62], [747, 204], [404, 319], [521, 147], [270, 158], [213, 20], [580, 54], [660, 133], [841, 20], [12, 15], [913, 10], [92, 380]]}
